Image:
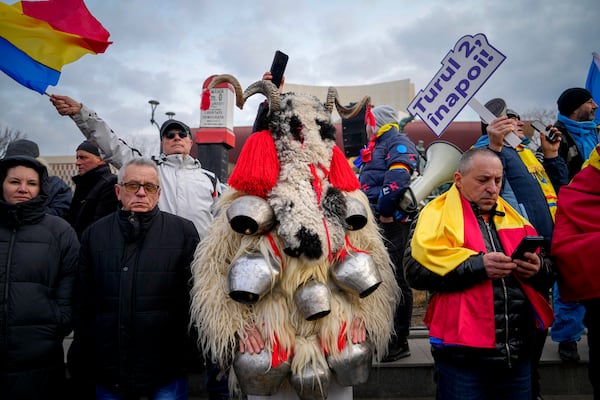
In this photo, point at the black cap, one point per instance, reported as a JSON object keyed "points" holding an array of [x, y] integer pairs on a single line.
{"points": [[571, 99], [22, 147], [89, 147], [174, 124]]}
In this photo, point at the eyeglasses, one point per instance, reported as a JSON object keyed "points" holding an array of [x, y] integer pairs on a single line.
{"points": [[171, 134], [133, 187]]}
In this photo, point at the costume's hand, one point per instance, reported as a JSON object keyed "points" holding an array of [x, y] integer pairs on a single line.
{"points": [[358, 331], [497, 129], [65, 105], [498, 265], [528, 267], [252, 340]]}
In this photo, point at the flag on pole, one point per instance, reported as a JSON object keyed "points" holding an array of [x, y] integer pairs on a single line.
{"points": [[592, 83], [38, 37]]}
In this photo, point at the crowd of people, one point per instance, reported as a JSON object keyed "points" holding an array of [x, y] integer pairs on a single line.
{"points": [[113, 262]]}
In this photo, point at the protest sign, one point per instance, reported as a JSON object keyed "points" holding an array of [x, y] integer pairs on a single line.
{"points": [[464, 71]]}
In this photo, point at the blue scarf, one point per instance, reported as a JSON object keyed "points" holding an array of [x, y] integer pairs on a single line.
{"points": [[584, 133]]}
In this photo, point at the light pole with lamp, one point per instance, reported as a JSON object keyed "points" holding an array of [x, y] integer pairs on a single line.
{"points": [[153, 105]]}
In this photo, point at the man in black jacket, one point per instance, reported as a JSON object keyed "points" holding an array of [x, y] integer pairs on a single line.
{"points": [[94, 195], [132, 312], [483, 313]]}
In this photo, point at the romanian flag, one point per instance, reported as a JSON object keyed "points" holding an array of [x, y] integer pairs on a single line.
{"points": [[38, 37], [592, 83]]}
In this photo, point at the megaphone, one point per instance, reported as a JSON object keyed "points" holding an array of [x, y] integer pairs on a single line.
{"points": [[442, 159]]}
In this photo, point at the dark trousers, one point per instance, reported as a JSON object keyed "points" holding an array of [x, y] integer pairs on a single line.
{"points": [[465, 381], [395, 237], [592, 322]]}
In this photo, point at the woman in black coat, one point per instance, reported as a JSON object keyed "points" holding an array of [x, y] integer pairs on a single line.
{"points": [[38, 259]]}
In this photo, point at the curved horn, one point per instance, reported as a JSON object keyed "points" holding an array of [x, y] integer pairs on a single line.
{"points": [[266, 88], [345, 112], [226, 78]]}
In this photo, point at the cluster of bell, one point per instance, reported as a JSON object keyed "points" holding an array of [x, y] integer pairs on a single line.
{"points": [[251, 276], [257, 377]]}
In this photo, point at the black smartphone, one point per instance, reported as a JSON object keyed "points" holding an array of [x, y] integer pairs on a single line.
{"points": [[278, 67], [528, 244], [541, 128]]}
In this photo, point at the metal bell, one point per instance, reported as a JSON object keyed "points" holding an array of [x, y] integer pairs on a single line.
{"points": [[255, 374], [353, 364], [250, 215], [312, 299], [357, 274], [250, 277], [356, 214], [311, 384]]}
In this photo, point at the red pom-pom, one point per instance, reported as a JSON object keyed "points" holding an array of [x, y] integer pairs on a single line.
{"points": [[257, 167], [340, 173], [205, 101]]}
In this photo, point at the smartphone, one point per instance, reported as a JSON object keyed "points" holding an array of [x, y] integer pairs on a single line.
{"points": [[541, 128], [278, 67], [528, 244]]}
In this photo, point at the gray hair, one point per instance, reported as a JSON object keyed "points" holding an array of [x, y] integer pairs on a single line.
{"points": [[142, 162], [466, 159]]}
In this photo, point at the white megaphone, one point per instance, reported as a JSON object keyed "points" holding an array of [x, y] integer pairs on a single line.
{"points": [[442, 159]]}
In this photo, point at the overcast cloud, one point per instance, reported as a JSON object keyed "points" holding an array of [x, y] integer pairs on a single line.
{"points": [[165, 50]]}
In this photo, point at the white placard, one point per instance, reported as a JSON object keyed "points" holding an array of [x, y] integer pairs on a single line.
{"points": [[464, 71], [220, 113]]}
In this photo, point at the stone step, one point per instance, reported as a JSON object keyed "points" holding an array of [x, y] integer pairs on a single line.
{"points": [[412, 377]]}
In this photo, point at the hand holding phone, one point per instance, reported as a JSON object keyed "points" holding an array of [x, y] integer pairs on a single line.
{"points": [[529, 244], [543, 129], [278, 67]]}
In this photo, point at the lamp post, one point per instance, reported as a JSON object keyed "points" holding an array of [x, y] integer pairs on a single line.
{"points": [[153, 105], [170, 114]]}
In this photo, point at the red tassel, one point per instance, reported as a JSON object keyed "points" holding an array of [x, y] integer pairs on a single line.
{"points": [[340, 173], [370, 118], [257, 167], [205, 101]]}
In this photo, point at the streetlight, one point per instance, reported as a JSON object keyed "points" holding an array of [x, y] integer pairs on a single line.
{"points": [[170, 114], [153, 105]]}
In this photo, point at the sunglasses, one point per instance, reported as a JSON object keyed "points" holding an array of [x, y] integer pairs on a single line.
{"points": [[133, 187], [171, 134]]}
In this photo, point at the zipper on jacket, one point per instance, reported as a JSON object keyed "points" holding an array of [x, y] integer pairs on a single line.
{"points": [[11, 244], [505, 293]]}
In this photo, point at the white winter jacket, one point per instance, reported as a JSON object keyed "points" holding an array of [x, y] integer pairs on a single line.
{"points": [[187, 189]]}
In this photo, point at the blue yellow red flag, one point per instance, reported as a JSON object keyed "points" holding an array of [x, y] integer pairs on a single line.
{"points": [[37, 38], [592, 82]]}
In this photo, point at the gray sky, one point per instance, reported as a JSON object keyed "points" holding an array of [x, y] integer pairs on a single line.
{"points": [[165, 50]]}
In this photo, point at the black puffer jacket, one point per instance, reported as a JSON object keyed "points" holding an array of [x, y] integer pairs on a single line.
{"points": [[514, 320], [94, 197], [38, 260], [132, 332]]}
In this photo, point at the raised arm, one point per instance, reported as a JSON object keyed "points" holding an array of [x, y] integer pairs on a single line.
{"points": [[94, 128]]}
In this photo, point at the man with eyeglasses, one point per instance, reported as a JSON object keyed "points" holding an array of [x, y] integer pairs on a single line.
{"points": [[188, 190], [132, 299]]}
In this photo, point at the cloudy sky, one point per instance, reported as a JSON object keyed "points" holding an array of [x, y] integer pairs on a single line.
{"points": [[164, 50]]}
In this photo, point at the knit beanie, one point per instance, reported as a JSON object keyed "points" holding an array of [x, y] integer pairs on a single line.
{"points": [[571, 99], [22, 147], [89, 147], [384, 115]]}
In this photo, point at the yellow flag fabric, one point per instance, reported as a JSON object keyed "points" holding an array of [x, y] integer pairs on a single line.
{"points": [[444, 238]]}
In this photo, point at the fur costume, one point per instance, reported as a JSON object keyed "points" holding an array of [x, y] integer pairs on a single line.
{"points": [[298, 170]]}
